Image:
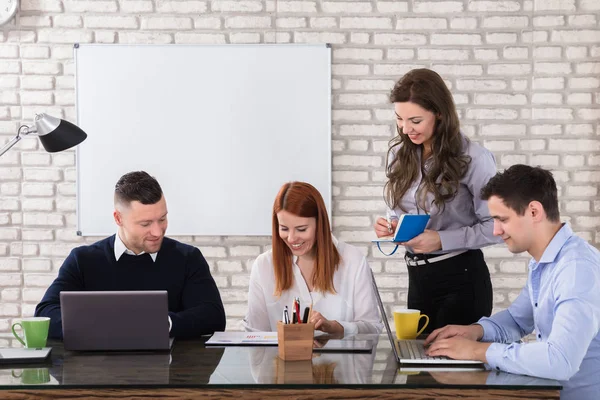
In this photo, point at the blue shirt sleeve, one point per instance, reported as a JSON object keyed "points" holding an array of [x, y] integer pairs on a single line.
{"points": [[512, 324], [576, 322]]}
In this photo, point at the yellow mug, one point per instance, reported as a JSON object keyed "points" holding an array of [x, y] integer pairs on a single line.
{"points": [[406, 322]]}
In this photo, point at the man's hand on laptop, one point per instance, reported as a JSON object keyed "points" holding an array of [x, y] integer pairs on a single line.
{"points": [[472, 332], [459, 348]]}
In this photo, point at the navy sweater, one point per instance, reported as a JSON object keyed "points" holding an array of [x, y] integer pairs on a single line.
{"points": [[195, 305]]}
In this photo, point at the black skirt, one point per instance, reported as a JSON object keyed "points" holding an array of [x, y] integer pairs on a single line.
{"points": [[457, 290]]}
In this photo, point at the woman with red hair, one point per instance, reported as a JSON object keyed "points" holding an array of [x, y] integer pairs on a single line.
{"points": [[308, 263]]}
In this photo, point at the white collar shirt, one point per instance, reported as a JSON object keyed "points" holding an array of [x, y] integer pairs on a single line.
{"points": [[121, 249]]}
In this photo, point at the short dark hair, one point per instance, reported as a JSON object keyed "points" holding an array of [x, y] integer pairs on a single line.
{"points": [[521, 184], [138, 186]]}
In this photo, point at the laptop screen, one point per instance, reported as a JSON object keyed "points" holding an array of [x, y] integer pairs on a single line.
{"points": [[384, 317], [115, 320]]}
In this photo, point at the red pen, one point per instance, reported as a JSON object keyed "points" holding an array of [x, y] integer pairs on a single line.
{"points": [[294, 314]]}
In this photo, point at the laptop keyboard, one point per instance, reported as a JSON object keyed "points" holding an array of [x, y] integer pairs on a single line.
{"points": [[414, 350]]}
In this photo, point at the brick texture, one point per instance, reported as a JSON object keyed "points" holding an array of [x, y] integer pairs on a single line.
{"points": [[525, 77]]}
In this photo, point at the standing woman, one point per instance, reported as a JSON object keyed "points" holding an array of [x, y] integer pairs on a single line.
{"points": [[432, 168], [307, 262]]}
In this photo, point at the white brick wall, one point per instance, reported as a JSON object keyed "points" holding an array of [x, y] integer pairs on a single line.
{"points": [[524, 74]]}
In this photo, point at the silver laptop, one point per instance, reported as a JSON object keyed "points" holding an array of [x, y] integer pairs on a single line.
{"points": [[413, 351], [119, 320]]}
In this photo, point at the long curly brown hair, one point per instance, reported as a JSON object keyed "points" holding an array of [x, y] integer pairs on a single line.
{"points": [[449, 162]]}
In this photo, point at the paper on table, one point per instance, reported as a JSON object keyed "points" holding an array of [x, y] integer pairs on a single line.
{"points": [[349, 345], [23, 355], [243, 338]]}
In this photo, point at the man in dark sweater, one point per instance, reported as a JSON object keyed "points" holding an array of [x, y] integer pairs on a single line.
{"points": [[140, 257]]}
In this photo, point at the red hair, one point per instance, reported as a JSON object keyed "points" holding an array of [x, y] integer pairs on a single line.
{"points": [[303, 200]]}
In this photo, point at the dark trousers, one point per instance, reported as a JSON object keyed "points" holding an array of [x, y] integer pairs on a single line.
{"points": [[457, 290]]}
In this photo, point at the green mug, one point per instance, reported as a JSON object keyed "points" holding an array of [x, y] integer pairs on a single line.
{"points": [[33, 376], [35, 331]]}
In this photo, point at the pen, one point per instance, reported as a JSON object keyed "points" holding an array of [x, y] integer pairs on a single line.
{"points": [[298, 309], [305, 318], [390, 215], [286, 315], [294, 316], [294, 307]]}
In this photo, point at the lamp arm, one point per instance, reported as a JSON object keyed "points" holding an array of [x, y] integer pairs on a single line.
{"points": [[10, 144], [22, 132]]}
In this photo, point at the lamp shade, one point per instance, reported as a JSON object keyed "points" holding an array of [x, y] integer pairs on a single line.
{"points": [[57, 134]]}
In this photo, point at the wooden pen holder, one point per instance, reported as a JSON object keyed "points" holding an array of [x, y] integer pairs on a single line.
{"points": [[295, 341]]}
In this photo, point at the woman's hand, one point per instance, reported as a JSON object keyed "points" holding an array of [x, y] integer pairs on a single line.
{"points": [[381, 227], [325, 325], [427, 242]]}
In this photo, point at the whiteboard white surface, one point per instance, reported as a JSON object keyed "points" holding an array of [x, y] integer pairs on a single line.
{"points": [[221, 127]]}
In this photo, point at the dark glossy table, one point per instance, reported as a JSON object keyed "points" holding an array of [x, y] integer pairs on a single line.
{"points": [[192, 371]]}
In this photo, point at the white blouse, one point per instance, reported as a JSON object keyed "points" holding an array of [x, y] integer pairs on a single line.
{"points": [[353, 305]]}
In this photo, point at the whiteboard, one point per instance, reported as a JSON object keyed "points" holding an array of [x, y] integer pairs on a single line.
{"points": [[221, 127]]}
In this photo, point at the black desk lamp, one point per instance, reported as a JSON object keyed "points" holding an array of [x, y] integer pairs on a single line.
{"points": [[55, 134]]}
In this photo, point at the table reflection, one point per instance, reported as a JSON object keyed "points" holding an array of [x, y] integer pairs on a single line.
{"points": [[187, 363], [26, 376], [453, 375], [192, 366], [324, 368], [115, 369]]}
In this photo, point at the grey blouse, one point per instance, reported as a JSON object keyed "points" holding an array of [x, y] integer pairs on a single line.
{"points": [[465, 222]]}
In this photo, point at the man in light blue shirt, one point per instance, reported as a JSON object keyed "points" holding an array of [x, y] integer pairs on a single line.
{"points": [[561, 301]]}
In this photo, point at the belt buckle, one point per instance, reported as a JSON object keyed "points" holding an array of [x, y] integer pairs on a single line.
{"points": [[411, 262]]}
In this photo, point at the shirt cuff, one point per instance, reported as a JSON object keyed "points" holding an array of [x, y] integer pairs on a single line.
{"points": [[450, 240], [350, 328], [488, 330], [494, 355]]}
